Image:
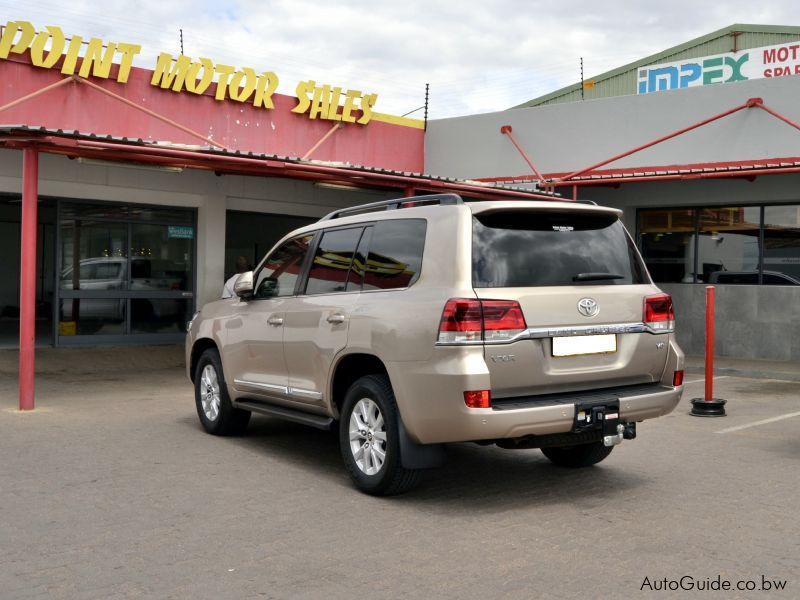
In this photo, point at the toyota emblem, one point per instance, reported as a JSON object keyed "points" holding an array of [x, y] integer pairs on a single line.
{"points": [[588, 307]]}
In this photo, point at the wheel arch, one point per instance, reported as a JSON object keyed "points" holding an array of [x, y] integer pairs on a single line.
{"points": [[200, 346], [347, 370]]}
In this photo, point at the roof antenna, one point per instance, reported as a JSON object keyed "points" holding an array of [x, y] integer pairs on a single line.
{"points": [[581, 77], [181, 30]]}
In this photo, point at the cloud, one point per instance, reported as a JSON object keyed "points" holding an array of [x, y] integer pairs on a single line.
{"points": [[477, 56]]}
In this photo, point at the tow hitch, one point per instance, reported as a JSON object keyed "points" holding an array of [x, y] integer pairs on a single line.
{"points": [[603, 415]]}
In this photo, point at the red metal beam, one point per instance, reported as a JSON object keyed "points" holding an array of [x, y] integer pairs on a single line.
{"points": [[149, 112], [506, 130], [27, 277], [778, 115], [38, 92], [749, 104], [321, 141]]}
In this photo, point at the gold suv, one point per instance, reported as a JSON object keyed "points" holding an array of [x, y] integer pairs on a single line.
{"points": [[412, 323]]}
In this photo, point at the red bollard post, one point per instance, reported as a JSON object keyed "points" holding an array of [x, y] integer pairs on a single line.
{"points": [[708, 406], [709, 342]]}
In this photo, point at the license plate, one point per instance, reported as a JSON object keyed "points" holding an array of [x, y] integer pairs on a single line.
{"points": [[577, 345]]}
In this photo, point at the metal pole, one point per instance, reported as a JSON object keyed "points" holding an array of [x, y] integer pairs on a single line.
{"points": [[427, 87], [27, 277], [581, 78], [709, 342], [708, 406]]}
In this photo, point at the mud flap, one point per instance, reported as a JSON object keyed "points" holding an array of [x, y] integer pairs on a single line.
{"points": [[418, 456]]}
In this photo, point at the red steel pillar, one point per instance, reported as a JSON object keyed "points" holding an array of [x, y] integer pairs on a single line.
{"points": [[27, 277], [708, 406]]}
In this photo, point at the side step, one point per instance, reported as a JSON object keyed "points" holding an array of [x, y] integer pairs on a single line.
{"points": [[287, 414]]}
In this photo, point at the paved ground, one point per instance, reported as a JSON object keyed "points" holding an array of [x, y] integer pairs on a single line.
{"points": [[111, 490]]}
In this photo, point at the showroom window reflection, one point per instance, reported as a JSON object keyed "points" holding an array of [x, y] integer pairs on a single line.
{"points": [[722, 245]]}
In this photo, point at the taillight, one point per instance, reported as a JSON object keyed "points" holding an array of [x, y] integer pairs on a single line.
{"points": [[471, 320], [478, 399], [658, 313], [677, 379]]}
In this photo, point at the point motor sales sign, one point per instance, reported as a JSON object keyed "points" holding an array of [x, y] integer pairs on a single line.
{"points": [[755, 63]]}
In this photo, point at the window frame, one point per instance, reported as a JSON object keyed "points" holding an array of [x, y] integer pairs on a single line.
{"points": [[762, 206], [301, 275], [302, 288]]}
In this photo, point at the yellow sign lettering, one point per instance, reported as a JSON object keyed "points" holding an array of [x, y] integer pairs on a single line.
{"points": [[266, 86], [71, 58], [224, 72], [166, 75], [304, 88], [181, 73], [12, 28], [239, 92], [199, 86], [96, 61], [56, 47], [367, 102], [128, 52], [349, 105]]}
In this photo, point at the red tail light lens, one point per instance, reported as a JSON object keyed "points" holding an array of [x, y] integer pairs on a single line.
{"points": [[659, 314], [478, 399], [502, 319], [462, 321], [677, 379], [472, 320]]}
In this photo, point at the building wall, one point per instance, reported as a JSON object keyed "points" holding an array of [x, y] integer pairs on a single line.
{"points": [[623, 81], [561, 138], [210, 194], [761, 322]]}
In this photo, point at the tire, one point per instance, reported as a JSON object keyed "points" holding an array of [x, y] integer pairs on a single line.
{"points": [[369, 414], [217, 414], [575, 457]]}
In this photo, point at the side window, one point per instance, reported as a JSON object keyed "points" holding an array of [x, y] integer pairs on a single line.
{"points": [[278, 276], [395, 254], [358, 269], [332, 261]]}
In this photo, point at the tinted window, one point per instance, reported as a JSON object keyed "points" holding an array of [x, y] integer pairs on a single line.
{"points": [[278, 275], [528, 249], [358, 268], [332, 261], [395, 254]]}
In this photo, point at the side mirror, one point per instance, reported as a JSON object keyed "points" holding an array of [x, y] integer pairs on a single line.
{"points": [[244, 285]]}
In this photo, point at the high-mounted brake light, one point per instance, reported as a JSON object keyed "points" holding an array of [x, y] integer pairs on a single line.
{"points": [[659, 314], [470, 320]]}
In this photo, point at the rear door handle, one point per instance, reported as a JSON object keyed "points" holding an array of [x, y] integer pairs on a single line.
{"points": [[276, 321], [336, 318]]}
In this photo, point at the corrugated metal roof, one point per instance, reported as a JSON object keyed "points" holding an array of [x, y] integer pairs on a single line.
{"points": [[666, 171], [211, 151], [622, 80]]}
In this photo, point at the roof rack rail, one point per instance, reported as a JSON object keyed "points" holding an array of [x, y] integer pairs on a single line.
{"points": [[592, 202], [441, 199]]}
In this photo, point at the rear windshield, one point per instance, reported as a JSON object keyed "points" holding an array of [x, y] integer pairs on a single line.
{"points": [[531, 249]]}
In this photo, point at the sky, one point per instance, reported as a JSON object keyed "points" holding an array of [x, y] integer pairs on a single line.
{"points": [[476, 56]]}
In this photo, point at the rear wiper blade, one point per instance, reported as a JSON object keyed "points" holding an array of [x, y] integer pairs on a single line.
{"points": [[596, 276]]}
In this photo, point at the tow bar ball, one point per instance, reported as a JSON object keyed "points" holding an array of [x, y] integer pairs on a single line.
{"points": [[625, 431]]}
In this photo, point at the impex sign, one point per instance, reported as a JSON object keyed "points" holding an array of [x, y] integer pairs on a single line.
{"points": [[755, 63]]}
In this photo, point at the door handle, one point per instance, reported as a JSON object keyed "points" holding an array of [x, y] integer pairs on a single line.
{"points": [[336, 318], [276, 321]]}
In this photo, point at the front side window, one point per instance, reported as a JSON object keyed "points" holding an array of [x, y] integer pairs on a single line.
{"points": [[278, 276], [533, 249], [332, 261]]}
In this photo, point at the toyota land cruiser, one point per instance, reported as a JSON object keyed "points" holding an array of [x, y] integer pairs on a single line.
{"points": [[417, 322]]}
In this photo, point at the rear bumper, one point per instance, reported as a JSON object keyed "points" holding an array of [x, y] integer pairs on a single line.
{"points": [[431, 402]]}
